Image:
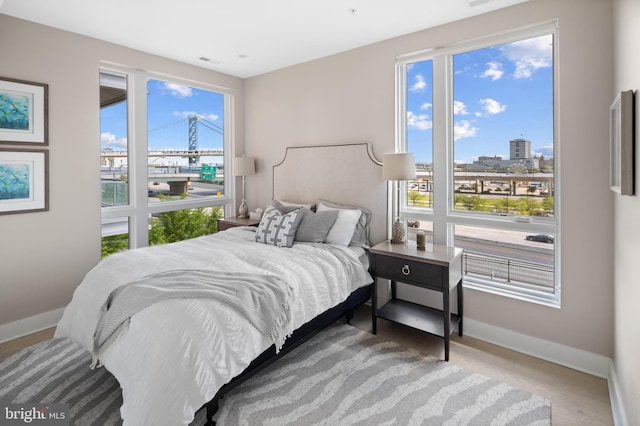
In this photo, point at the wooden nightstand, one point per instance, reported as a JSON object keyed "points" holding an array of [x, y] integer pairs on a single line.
{"points": [[438, 268], [235, 221]]}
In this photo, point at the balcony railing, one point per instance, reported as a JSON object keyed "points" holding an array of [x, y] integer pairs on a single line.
{"points": [[512, 271]]}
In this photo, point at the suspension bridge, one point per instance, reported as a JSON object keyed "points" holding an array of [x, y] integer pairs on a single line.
{"points": [[195, 139]]}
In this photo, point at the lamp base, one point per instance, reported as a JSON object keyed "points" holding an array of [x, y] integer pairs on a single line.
{"points": [[397, 232], [243, 210]]}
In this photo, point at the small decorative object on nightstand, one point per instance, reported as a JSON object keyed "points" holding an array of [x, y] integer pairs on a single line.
{"points": [[421, 240], [438, 269], [256, 214], [396, 167], [232, 222], [243, 166]]}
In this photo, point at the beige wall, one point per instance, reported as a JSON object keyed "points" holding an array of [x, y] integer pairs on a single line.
{"points": [[627, 222], [350, 96], [43, 256]]}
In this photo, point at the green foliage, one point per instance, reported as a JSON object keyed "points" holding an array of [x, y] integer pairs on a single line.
{"points": [[523, 206], [170, 227], [114, 244], [417, 199], [178, 225]]}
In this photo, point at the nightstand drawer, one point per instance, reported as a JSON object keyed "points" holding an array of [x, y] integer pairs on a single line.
{"points": [[403, 270]]}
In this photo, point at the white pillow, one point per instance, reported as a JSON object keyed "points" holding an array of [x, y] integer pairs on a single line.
{"points": [[343, 228]]}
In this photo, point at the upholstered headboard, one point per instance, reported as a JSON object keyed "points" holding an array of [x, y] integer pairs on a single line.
{"points": [[346, 174]]}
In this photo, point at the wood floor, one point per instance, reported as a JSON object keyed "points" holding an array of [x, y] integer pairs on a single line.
{"points": [[576, 398]]}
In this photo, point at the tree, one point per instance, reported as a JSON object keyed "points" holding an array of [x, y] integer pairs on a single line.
{"points": [[169, 227], [178, 225], [416, 198]]}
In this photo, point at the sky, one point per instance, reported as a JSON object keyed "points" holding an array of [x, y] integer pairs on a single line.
{"points": [[168, 107], [499, 93]]}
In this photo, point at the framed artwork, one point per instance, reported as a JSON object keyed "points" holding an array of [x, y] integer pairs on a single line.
{"points": [[23, 112], [24, 180], [621, 123]]}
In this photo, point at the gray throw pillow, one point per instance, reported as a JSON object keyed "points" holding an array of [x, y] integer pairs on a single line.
{"points": [[315, 226], [283, 209], [361, 234], [278, 229]]}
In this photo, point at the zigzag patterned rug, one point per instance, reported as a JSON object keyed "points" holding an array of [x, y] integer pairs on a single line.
{"points": [[342, 376]]}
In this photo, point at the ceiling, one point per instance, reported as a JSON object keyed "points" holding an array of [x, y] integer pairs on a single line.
{"points": [[246, 37]]}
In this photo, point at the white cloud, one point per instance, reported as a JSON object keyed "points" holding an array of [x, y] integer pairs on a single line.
{"points": [[419, 84], [186, 114], [494, 71], [547, 151], [459, 108], [420, 121], [463, 129], [177, 90], [530, 55], [492, 107], [109, 140], [425, 105]]}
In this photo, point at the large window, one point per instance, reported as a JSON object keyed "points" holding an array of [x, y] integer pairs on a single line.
{"points": [[163, 147], [479, 118]]}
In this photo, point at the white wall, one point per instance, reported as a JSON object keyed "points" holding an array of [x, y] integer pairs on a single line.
{"points": [[43, 256], [350, 96], [627, 222]]}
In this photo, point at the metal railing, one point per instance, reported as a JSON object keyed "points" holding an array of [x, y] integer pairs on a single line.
{"points": [[513, 271]]}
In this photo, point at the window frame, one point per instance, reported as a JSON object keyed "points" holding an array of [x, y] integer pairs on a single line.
{"points": [[443, 215], [138, 210]]}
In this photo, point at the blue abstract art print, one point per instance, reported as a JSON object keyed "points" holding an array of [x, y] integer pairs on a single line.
{"points": [[23, 112], [24, 180]]}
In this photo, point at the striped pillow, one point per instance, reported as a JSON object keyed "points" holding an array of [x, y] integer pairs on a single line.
{"points": [[278, 229]]}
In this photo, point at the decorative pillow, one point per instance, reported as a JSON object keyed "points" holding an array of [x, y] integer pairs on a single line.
{"points": [[361, 234], [275, 204], [284, 203], [343, 228], [315, 226], [278, 229]]}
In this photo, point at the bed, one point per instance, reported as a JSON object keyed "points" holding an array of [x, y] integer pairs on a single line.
{"points": [[180, 356]]}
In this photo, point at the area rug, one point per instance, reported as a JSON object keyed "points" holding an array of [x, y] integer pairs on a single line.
{"points": [[342, 376]]}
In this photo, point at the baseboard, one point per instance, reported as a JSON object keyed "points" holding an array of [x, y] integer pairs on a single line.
{"points": [[577, 359], [617, 408], [30, 325]]}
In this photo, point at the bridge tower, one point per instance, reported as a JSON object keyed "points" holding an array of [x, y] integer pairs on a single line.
{"points": [[193, 139]]}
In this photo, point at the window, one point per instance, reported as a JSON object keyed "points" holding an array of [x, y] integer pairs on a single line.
{"points": [[163, 147], [490, 179]]}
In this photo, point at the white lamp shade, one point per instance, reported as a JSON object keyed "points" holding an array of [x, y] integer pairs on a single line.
{"points": [[244, 166], [398, 166]]}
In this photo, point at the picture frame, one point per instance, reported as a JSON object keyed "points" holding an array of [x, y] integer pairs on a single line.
{"points": [[24, 112], [621, 144], [24, 180]]}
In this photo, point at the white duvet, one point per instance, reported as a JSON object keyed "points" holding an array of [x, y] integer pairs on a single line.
{"points": [[176, 354]]}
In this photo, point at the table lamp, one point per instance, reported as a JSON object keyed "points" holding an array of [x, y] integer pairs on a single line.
{"points": [[243, 166], [398, 167]]}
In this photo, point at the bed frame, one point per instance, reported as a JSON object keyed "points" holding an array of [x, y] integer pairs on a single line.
{"points": [[356, 179]]}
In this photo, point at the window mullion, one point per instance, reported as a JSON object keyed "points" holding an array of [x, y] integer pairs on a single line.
{"points": [[139, 233], [441, 138]]}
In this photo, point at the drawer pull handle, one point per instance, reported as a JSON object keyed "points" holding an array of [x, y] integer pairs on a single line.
{"points": [[406, 270]]}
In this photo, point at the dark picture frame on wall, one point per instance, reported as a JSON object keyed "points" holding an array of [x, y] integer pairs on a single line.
{"points": [[24, 180], [622, 135], [24, 112]]}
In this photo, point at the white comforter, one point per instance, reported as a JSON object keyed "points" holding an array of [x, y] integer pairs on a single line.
{"points": [[177, 354]]}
